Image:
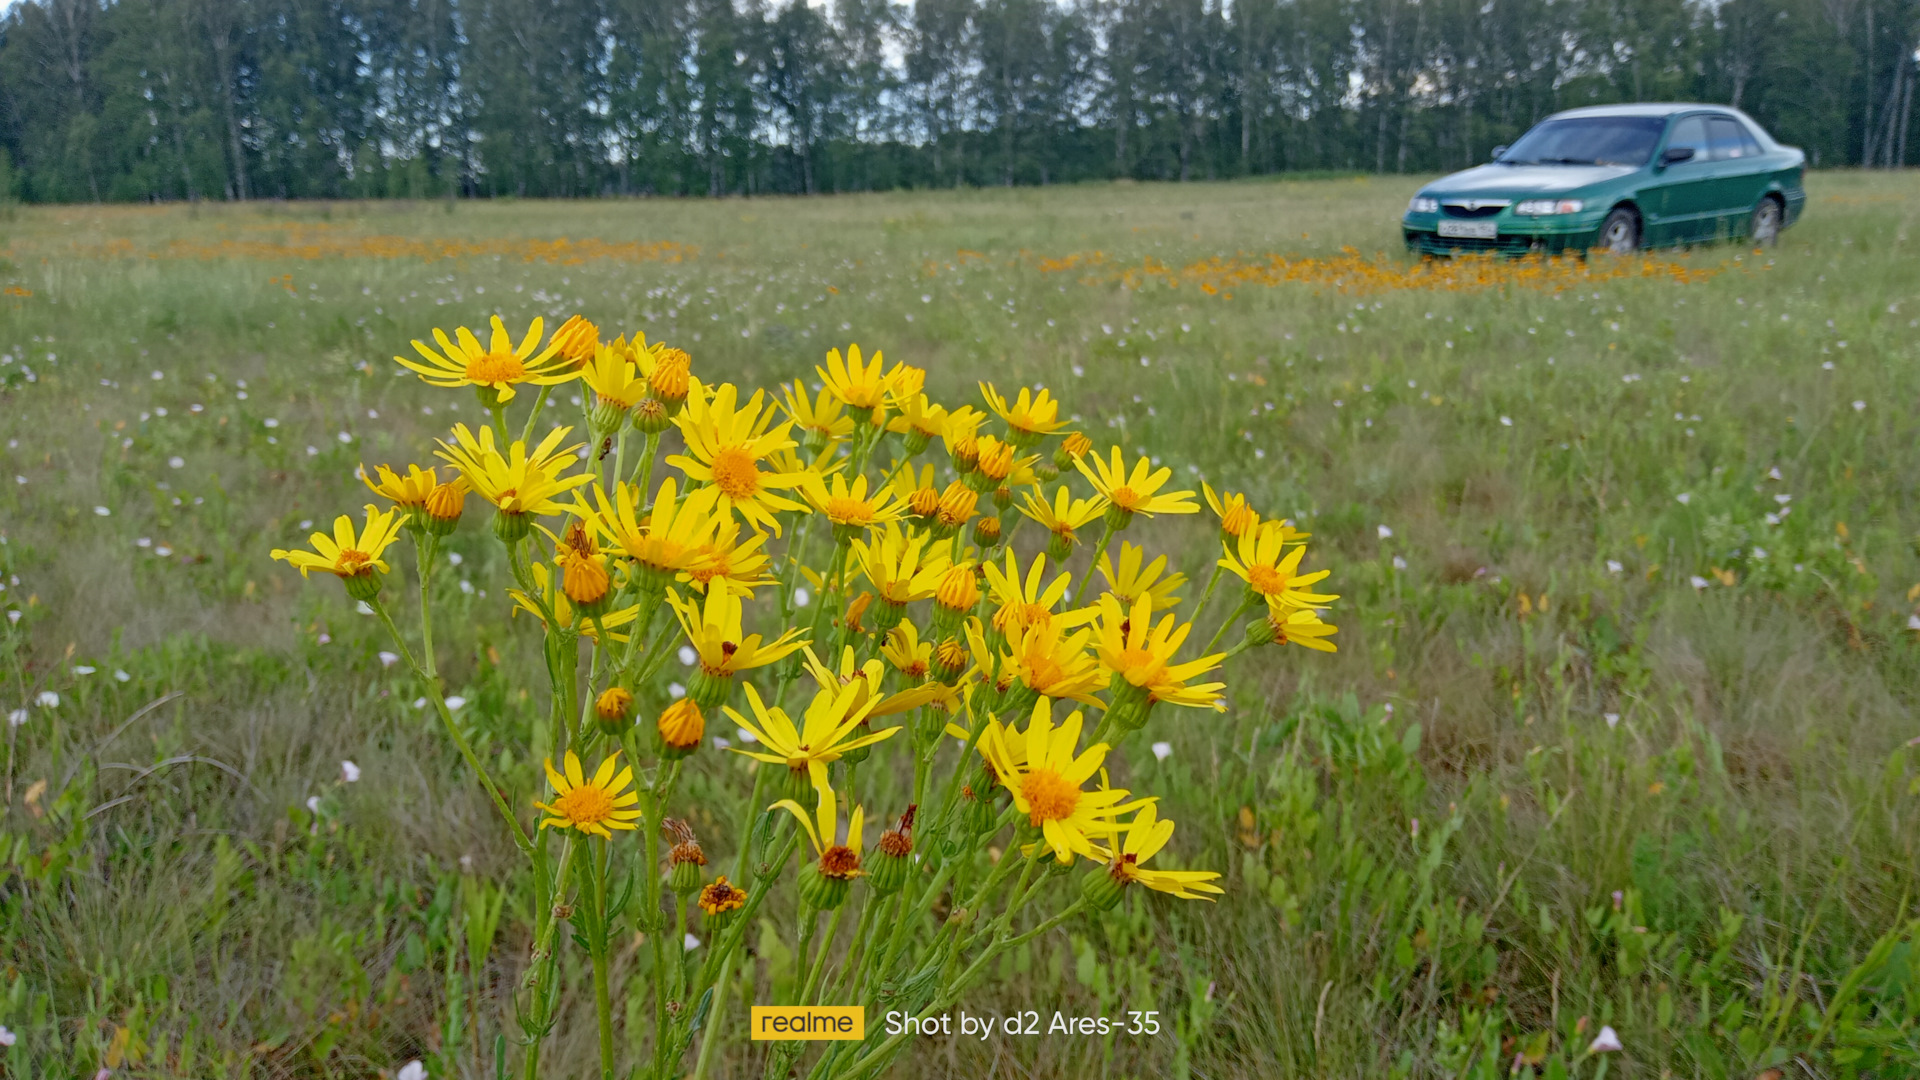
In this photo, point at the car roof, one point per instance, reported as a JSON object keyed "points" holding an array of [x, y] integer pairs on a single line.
{"points": [[1657, 109]]}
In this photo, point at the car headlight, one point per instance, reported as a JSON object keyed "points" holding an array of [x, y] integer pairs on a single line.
{"points": [[1537, 207], [1422, 204]]}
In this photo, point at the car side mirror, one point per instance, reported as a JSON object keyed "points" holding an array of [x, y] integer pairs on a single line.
{"points": [[1498, 153], [1674, 155]]}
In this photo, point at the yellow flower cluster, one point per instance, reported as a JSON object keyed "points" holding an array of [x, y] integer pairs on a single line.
{"points": [[800, 555]]}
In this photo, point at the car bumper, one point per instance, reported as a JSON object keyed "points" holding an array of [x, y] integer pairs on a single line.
{"points": [[1517, 235]]}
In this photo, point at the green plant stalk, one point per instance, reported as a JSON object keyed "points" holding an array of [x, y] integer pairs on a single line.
{"points": [[820, 960], [650, 822], [1093, 561], [542, 966], [426, 549], [539, 403], [1244, 607], [868, 1062], [857, 949], [499, 411], [643, 472], [520, 838], [620, 453], [796, 558], [710, 1037], [598, 859], [1207, 594]]}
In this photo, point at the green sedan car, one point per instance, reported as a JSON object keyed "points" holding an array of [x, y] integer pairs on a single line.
{"points": [[1618, 178]]}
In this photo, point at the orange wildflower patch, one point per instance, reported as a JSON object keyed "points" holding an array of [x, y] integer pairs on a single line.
{"points": [[1352, 272], [321, 242]]}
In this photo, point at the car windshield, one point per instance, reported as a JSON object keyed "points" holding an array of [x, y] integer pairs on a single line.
{"points": [[1588, 140]]}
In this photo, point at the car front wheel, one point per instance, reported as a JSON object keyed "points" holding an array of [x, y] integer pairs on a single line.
{"points": [[1764, 229], [1620, 233]]}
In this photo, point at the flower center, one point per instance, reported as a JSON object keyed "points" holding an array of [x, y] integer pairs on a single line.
{"points": [[1125, 498], [849, 511], [496, 369], [1266, 581], [839, 862], [585, 805], [1042, 672], [736, 473], [352, 560], [1140, 666], [1048, 795]]}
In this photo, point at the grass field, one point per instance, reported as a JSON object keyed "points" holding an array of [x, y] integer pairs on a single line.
{"points": [[1618, 732]]}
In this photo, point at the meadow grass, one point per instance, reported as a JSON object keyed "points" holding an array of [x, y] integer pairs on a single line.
{"points": [[1618, 733]]}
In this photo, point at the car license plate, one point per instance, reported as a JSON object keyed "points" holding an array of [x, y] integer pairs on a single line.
{"points": [[1470, 230]]}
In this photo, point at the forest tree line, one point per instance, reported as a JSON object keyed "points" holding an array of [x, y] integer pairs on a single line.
{"points": [[123, 100]]}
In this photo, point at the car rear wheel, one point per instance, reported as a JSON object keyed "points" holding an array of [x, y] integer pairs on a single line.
{"points": [[1764, 229], [1620, 233]]}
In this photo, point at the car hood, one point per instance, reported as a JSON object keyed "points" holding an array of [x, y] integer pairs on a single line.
{"points": [[1525, 179]]}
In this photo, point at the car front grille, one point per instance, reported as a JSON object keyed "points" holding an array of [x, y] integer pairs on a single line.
{"points": [[1453, 210], [1427, 243]]}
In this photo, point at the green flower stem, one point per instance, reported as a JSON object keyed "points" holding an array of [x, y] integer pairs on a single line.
{"points": [[620, 453], [653, 922], [426, 547], [1236, 649], [1207, 595], [796, 558], [719, 963], [820, 960], [715, 1016], [539, 403], [499, 411], [432, 685], [598, 858], [869, 1062], [541, 968], [643, 472], [809, 920], [760, 773], [1244, 607], [1099, 549], [1008, 531], [860, 946], [642, 629]]}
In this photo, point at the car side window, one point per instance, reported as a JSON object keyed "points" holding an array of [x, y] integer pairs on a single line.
{"points": [[1691, 133], [1730, 139]]}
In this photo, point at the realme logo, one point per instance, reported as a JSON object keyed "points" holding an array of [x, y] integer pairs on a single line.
{"points": [[809, 1022]]}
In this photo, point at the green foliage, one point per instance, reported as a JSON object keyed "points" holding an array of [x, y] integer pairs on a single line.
{"points": [[225, 99]]}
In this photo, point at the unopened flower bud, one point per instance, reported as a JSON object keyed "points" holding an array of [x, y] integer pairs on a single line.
{"points": [[650, 417], [681, 727], [613, 710], [986, 531], [950, 660], [444, 506]]}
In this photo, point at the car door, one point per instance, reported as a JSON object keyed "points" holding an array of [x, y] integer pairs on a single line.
{"points": [[1739, 174], [1685, 194]]}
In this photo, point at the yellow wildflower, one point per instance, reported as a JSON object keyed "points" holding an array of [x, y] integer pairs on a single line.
{"points": [[500, 366], [725, 445], [592, 806]]}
